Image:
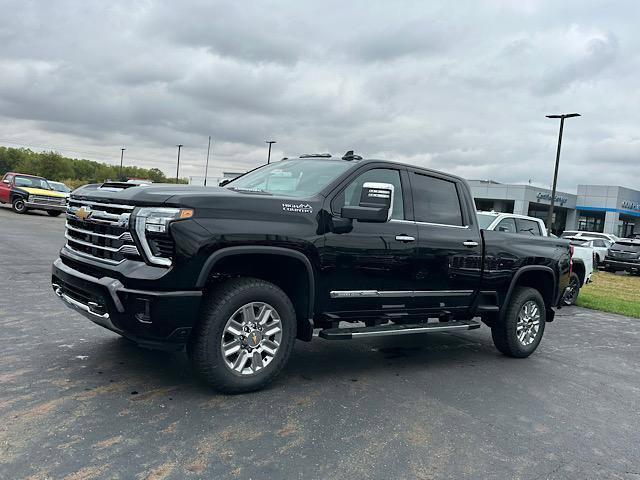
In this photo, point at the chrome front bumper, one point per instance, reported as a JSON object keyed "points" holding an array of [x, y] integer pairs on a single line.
{"points": [[46, 206], [87, 310]]}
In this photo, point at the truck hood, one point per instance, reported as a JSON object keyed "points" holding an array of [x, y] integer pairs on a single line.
{"points": [[40, 191], [148, 194], [210, 198]]}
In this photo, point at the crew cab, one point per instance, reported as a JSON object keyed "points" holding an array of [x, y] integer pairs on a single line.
{"points": [[355, 248], [584, 256], [28, 192]]}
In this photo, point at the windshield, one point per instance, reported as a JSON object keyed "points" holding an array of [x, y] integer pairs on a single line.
{"points": [[291, 178], [59, 187], [32, 182], [485, 219]]}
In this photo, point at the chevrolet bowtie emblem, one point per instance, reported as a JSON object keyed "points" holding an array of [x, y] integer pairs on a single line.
{"points": [[83, 213], [255, 339]]}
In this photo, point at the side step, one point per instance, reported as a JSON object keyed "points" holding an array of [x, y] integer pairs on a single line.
{"points": [[388, 330]]}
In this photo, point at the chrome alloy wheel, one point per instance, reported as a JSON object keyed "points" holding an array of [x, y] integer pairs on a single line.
{"points": [[251, 338], [528, 323]]}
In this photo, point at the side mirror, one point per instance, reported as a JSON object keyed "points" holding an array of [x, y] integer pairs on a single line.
{"points": [[376, 204], [503, 229]]}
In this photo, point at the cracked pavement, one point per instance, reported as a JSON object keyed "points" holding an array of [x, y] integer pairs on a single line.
{"points": [[78, 402]]}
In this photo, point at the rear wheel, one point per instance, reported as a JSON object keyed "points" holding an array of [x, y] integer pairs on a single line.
{"points": [[53, 213], [519, 332], [245, 336], [18, 205], [572, 291]]}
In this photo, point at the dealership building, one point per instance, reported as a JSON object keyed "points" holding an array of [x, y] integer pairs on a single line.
{"points": [[595, 208]]}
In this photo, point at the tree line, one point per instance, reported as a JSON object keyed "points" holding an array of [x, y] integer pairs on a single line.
{"points": [[72, 171]]}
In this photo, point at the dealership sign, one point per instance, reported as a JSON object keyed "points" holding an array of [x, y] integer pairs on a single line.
{"points": [[547, 196], [631, 205]]}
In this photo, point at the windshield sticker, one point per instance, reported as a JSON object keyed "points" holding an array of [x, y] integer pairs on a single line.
{"points": [[297, 207]]}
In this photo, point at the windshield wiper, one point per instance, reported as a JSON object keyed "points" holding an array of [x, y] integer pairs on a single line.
{"points": [[249, 190]]}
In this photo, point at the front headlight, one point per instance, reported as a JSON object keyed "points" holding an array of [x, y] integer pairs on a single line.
{"points": [[153, 222]]}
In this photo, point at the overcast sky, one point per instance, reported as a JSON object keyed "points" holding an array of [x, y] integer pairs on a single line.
{"points": [[456, 86]]}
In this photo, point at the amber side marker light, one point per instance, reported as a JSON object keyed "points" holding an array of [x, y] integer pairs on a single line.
{"points": [[185, 213]]}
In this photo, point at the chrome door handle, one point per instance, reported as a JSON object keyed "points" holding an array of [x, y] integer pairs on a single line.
{"points": [[405, 238], [470, 244]]}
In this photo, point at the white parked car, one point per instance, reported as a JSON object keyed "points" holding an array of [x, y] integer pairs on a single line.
{"points": [[600, 247], [579, 233], [583, 255]]}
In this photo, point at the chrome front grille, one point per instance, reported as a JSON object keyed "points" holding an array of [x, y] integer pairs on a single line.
{"points": [[44, 200], [100, 231]]}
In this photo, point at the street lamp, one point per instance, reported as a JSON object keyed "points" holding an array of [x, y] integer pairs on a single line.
{"points": [[178, 166], [121, 157], [270, 142], [206, 168], [555, 173]]}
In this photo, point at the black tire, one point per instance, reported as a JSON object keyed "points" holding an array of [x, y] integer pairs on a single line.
{"points": [[53, 213], [205, 345], [504, 331], [573, 290], [18, 205]]}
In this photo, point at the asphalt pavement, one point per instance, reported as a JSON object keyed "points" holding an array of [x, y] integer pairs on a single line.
{"points": [[78, 402]]}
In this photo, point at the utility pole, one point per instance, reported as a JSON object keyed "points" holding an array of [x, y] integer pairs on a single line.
{"points": [[270, 142], [555, 173], [206, 168], [121, 158], [178, 167]]}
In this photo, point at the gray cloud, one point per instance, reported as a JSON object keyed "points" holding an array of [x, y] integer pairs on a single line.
{"points": [[457, 86]]}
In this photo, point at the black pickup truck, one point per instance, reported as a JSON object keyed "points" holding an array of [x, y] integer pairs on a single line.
{"points": [[236, 273]]}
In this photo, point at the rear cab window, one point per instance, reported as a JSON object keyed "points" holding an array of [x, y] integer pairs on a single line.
{"points": [[528, 227]]}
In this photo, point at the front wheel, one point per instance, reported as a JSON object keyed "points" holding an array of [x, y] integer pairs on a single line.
{"points": [[519, 332], [18, 205], [573, 290], [245, 336]]}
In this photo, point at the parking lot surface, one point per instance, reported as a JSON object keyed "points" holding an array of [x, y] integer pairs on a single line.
{"points": [[77, 401]]}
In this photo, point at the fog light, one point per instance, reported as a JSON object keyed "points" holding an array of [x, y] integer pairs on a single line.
{"points": [[144, 313]]}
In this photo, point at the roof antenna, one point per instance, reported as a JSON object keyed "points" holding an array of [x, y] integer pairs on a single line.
{"points": [[351, 156]]}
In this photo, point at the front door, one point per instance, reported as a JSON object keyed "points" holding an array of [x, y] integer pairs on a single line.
{"points": [[5, 189], [368, 266], [449, 253]]}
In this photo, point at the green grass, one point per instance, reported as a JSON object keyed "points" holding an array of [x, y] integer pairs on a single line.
{"points": [[612, 293]]}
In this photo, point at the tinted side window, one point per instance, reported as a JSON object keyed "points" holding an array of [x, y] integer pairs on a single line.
{"points": [[528, 227], [598, 243], [506, 225], [351, 195], [435, 200]]}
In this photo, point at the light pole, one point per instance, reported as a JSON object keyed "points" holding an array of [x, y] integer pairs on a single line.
{"points": [[555, 173], [178, 166], [121, 158], [270, 142], [206, 168]]}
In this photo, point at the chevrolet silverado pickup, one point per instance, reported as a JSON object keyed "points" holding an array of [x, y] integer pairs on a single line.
{"points": [[351, 247], [28, 192]]}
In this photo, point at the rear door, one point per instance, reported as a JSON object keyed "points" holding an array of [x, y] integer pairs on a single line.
{"points": [[449, 254]]}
